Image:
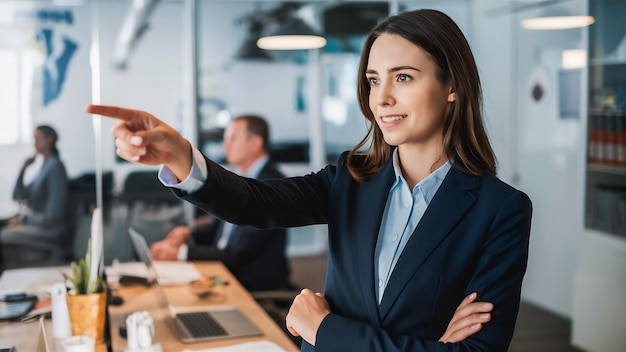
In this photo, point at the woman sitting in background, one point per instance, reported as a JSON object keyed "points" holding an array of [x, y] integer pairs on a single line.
{"points": [[42, 202]]}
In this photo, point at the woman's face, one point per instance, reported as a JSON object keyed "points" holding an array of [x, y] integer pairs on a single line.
{"points": [[406, 97], [43, 143]]}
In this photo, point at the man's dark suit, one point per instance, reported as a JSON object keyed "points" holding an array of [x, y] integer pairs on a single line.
{"points": [[256, 257], [473, 237]]}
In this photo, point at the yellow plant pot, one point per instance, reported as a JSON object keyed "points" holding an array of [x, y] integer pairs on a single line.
{"points": [[88, 314]]}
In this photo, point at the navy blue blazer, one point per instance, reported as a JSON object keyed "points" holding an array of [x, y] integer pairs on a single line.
{"points": [[473, 237], [257, 257]]}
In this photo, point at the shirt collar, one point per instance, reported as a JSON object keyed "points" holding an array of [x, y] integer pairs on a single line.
{"points": [[428, 185], [255, 169]]}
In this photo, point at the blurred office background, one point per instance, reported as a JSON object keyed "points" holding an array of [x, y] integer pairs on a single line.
{"points": [[554, 102]]}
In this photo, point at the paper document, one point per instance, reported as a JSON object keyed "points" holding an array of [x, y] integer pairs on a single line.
{"points": [[31, 280], [256, 346], [170, 272]]}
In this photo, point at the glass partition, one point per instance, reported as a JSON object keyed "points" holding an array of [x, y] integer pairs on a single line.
{"points": [[143, 61], [142, 65], [45, 80], [235, 77], [308, 96]]}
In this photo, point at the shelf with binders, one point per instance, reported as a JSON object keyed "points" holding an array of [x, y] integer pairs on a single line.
{"points": [[605, 208], [606, 150]]}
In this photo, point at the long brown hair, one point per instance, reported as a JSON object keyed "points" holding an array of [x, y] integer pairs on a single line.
{"points": [[465, 140]]}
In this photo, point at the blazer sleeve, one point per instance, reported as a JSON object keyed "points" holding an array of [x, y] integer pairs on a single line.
{"points": [[20, 191], [271, 203], [56, 199], [497, 279]]}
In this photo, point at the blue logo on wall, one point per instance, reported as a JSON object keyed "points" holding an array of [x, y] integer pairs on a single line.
{"points": [[55, 68]]}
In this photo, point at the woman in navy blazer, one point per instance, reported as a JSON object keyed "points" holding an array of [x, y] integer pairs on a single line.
{"points": [[425, 167]]}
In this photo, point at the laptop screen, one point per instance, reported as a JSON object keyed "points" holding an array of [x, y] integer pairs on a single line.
{"points": [[143, 252]]}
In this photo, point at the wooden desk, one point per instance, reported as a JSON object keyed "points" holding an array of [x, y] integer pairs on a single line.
{"points": [[138, 298]]}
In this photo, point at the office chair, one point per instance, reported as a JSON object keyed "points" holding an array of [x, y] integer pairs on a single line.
{"points": [[306, 271], [276, 304], [28, 251], [80, 201], [43, 252], [142, 190], [84, 198]]}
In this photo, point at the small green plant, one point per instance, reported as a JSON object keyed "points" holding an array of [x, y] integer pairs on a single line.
{"points": [[82, 271]]}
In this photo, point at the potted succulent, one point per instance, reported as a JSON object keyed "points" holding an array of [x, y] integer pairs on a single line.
{"points": [[87, 296], [82, 272]]}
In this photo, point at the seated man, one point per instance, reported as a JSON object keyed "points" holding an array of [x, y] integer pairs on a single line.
{"points": [[256, 257]]}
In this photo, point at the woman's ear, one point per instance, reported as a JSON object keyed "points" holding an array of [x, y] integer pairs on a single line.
{"points": [[451, 95]]}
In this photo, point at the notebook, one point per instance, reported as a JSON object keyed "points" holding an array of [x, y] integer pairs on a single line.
{"points": [[197, 323]]}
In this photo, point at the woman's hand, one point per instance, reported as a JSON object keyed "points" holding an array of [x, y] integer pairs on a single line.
{"points": [[28, 162], [15, 221], [467, 320], [306, 314], [142, 138]]}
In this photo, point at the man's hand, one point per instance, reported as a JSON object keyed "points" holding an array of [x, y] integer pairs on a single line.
{"points": [[306, 314], [467, 320], [163, 250], [142, 138], [178, 235]]}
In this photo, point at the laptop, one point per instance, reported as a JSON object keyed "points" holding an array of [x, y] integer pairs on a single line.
{"points": [[196, 323]]}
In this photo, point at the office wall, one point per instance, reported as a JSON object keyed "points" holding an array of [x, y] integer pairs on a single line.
{"points": [[574, 272], [152, 80], [539, 152]]}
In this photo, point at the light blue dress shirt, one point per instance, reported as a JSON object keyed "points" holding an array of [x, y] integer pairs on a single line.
{"points": [[195, 179], [403, 211]]}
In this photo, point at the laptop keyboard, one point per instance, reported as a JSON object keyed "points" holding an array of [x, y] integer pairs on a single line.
{"points": [[201, 324]]}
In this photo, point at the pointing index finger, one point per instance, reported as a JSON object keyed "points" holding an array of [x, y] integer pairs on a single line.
{"points": [[112, 111]]}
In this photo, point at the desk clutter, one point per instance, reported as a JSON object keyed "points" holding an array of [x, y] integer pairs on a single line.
{"points": [[154, 328], [14, 306], [64, 328], [140, 333], [170, 273]]}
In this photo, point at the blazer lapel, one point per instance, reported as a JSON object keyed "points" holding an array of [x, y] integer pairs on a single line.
{"points": [[451, 201], [370, 203]]}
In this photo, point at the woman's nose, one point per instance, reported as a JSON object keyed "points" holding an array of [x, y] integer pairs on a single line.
{"points": [[383, 95]]}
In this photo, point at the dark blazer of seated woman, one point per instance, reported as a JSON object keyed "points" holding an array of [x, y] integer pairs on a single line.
{"points": [[43, 202]]}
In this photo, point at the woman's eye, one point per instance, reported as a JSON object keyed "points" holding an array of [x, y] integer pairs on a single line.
{"points": [[372, 81], [403, 78]]}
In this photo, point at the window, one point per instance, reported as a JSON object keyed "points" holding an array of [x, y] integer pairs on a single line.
{"points": [[9, 97]]}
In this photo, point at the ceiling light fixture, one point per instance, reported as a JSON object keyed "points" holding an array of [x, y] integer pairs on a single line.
{"points": [[291, 33], [557, 22]]}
